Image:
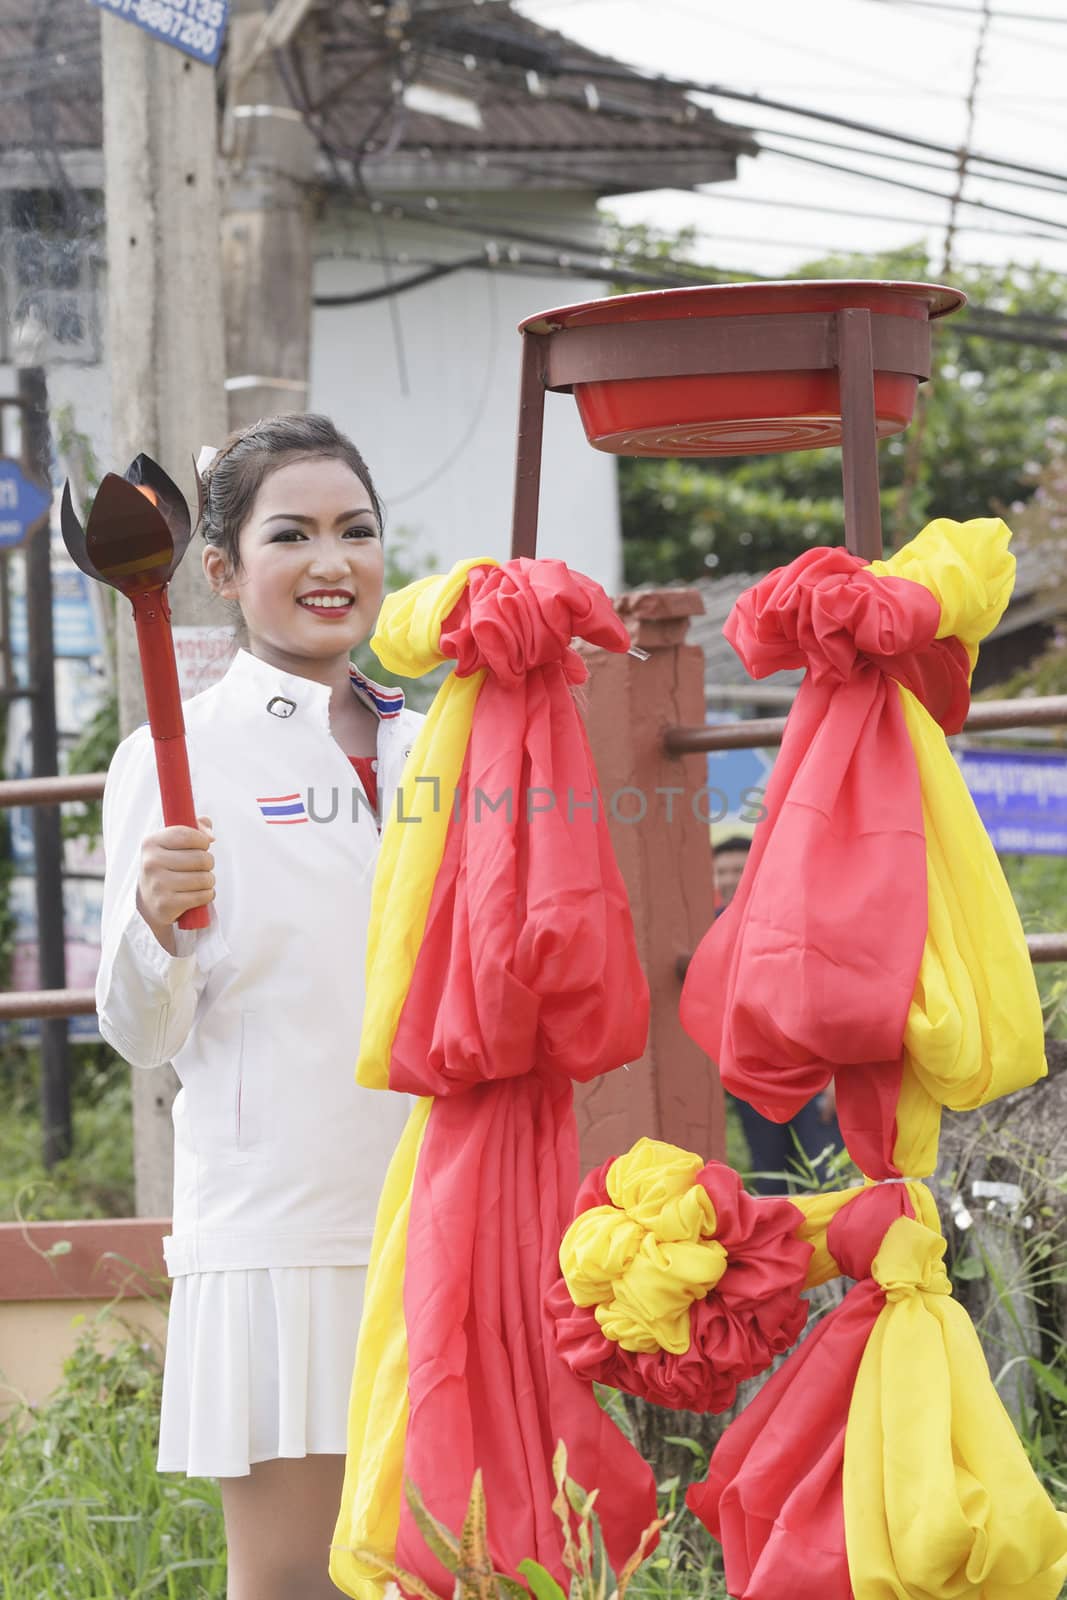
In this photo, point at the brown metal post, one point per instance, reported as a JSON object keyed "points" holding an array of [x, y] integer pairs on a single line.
{"points": [[859, 441], [528, 453], [656, 810]]}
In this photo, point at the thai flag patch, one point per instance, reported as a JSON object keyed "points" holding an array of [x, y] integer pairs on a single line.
{"points": [[282, 808]]}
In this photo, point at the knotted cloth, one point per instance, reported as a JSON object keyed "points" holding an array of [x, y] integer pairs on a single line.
{"points": [[873, 938], [879, 1460], [501, 968]]}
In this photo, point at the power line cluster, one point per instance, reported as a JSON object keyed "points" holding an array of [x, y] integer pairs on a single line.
{"points": [[508, 58]]}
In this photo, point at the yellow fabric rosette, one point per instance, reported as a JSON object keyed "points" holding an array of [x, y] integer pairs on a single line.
{"points": [[646, 1258]]}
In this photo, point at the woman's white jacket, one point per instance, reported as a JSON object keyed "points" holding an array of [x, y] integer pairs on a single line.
{"points": [[279, 1156]]}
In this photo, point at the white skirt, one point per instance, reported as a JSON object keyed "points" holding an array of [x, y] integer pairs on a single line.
{"points": [[258, 1366]]}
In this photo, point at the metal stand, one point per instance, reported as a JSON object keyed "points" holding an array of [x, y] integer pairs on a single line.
{"points": [[854, 341]]}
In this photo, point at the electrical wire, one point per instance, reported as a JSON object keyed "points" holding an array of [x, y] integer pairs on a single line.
{"points": [[778, 204], [973, 11], [720, 91], [899, 157], [914, 188], [1037, 329]]}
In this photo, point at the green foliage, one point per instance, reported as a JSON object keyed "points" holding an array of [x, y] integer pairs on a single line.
{"points": [[92, 753], [686, 519], [687, 1565], [1039, 889], [97, 1180], [469, 1560], [975, 448], [83, 1510]]}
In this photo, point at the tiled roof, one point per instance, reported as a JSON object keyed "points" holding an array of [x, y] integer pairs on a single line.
{"points": [[497, 68]]}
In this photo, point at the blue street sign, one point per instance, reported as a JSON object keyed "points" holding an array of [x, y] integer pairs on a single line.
{"points": [[194, 26], [1021, 796], [23, 502]]}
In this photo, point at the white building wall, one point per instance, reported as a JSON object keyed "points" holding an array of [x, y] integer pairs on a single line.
{"points": [[427, 384]]}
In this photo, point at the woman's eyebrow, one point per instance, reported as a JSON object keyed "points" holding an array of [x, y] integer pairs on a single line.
{"points": [[295, 516]]}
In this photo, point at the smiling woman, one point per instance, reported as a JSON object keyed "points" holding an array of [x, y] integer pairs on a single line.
{"points": [[309, 580], [279, 1156]]}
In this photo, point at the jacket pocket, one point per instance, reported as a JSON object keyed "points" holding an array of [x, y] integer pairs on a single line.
{"points": [[254, 1111]]}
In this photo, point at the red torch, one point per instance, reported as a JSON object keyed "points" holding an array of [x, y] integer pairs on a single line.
{"points": [[136, 535]]}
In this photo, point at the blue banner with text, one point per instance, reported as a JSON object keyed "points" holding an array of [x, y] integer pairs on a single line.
{"points": [[1021, 796]]}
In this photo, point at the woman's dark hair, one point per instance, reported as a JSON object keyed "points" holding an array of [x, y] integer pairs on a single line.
{"points": [[230, 484]]}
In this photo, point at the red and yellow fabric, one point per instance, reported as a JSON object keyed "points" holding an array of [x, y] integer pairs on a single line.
{"points": [[501, 968], [878, 1462], [677, 1285], [872, 938]]}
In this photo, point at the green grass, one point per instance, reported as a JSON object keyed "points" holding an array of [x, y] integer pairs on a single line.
{"points": [[85, 1515]]}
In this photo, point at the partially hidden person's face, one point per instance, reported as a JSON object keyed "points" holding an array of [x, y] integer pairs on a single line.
{"points": [[729, 865], [311, 570]]}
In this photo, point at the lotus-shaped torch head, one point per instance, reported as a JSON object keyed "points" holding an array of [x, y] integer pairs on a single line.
{"points": [[137, 532]]}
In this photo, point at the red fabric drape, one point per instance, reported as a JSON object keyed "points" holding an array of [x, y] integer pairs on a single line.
{"points": [[773, 1492], [527, 978], [812, 967]]}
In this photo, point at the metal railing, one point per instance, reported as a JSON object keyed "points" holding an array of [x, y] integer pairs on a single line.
{"points": [[23, 1004], [987, 716]]}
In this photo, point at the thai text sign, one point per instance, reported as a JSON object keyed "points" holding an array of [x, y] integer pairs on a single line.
{"points": [[195, 26], [1021, 796]]}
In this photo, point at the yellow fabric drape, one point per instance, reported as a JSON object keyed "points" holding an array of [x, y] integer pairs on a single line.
{"points": [[369, 1518], [406, 642], [974, 1028], [969, 570], [940, 1500]]}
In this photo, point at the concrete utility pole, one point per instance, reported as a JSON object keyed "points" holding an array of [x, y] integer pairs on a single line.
{"points": [[166, 350], [268, 215]]}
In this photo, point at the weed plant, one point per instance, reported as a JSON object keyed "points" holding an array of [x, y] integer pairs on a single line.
{"points": [[85, 1514]]}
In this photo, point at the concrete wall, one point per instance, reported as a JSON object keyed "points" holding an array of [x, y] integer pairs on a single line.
{"points": [[56, 1275]]}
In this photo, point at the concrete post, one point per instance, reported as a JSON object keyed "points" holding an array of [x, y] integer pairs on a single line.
{"points": [[166, 353]]}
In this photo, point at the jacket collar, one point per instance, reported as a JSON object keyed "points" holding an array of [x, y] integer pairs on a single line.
{"points": [[284, 694], [385, 703]]}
